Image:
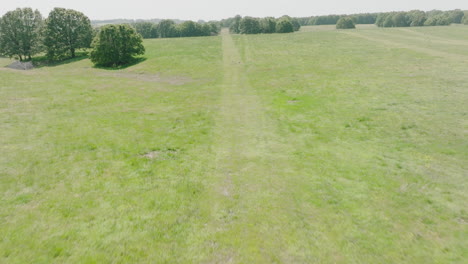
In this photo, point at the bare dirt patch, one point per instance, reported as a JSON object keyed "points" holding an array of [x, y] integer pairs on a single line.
{"points": [[164, 154], [146, 77], [18, 65]]}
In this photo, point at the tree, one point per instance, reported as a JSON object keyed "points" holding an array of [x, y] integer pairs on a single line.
{"points": [[438, 20], [345, 23], [146, 29], [417, 18], [66, 30], [400, 19], [215, 28], [456, 16], [20, 33], [284, 26], [465, 19], [235, 25], [268, 25], [249, 25], [116, 45], [167, 29], [189, 29]]}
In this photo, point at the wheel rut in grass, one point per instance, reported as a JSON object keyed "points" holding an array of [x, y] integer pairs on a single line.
{"points": [[431, 52]]}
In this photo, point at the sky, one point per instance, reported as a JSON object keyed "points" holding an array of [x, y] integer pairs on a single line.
{"points": [[219, 9]]}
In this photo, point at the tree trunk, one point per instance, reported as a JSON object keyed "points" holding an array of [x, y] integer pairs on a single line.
{"points": [[72, 52], [20, 57]]}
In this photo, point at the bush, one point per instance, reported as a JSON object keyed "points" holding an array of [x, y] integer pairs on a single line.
{"points": [[345, 23], [116, 45], [438, 20], [284, 26], [249, 25]]}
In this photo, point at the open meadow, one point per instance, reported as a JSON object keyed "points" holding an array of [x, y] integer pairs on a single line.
{"points": [[320, 146]]}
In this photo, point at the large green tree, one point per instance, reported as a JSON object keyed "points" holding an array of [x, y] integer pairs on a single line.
{"points": [[116, 45], [66, 30], [20, 33]]}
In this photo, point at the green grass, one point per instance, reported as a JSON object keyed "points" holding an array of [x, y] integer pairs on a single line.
{"points": [[322, 146]]}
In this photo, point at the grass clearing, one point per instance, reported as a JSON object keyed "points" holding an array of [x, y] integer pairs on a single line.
{"points": [[235, 149]]}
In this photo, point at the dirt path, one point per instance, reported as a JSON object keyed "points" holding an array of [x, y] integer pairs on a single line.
{"points": [[250, 209], [431, 52]]}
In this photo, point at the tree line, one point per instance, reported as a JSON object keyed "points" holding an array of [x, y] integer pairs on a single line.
{"points": [[169, 29], [266, 25], [24, 33], [417, 18], [393, 19]]}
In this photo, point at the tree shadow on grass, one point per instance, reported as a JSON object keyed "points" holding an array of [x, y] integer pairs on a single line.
{"points": [[43, 61], [133, 62]]}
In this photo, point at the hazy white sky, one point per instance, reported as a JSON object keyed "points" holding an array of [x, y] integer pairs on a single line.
{"points": [[218, 9]]}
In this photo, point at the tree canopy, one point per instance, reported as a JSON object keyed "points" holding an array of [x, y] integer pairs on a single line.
{"points": [[66, 30], [146, 29], [20, 33], [345, 23], [116, 45], [284, 26]]}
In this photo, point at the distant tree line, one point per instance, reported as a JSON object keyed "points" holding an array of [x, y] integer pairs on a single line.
{"points": [[393, 19], [24, 33], [170, 29], [366, 18], [417, 18], [266, 25]]}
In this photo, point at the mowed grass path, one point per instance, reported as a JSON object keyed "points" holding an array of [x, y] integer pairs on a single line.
{"points": [[315, 147]]}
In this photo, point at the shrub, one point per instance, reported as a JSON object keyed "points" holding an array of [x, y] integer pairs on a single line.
{"points": [[116, 45], [345, 23], [249, 25], [284, 26]]}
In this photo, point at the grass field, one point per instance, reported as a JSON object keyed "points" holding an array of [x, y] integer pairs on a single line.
{"points": [[321, 146]]}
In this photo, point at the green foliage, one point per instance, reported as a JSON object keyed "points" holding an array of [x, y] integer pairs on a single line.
{"points": [[249, 25], [116, 45], [146, 29], [456, 16], [438, 20], [167, 29], [417, 18], [345, 23], [465, 19], [66, 30], [20, 33], [284, 26], [235, 25], [268, 25]]}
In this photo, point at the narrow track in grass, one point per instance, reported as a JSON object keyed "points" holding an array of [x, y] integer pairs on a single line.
{"points": [[251, 209], [428, 51]]}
